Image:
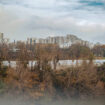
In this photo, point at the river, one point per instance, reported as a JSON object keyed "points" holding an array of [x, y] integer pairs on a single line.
{"points": [[61, 63]]}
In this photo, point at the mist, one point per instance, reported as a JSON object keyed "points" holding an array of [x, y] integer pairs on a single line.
{"points": [[10, 99]]}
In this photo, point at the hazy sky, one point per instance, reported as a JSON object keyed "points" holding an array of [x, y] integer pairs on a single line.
{"points": [[20, 19]]}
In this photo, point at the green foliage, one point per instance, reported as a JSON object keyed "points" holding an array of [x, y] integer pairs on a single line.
{"points": [[2, 87], [101, 72], [3, 72], [79, 51]]}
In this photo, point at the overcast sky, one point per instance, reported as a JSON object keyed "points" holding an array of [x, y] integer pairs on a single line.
{"points": [[20, 19]]}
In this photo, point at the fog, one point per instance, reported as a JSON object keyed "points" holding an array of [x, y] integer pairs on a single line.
{"points": [[20, 100]]}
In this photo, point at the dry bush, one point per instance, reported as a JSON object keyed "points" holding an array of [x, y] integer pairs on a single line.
{"points": [[87, 78], [22, 80], [79, 81]]}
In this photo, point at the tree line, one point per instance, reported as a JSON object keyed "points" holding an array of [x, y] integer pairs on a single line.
{"points": [[21, 50]]}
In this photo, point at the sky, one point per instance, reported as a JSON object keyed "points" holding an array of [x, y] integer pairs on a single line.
{"points": [[20, 19]]}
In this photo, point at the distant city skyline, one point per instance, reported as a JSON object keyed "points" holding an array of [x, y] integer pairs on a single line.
{"points": [[20, 19], [61, 41]]}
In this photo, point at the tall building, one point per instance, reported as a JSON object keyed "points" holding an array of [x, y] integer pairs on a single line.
{"points": [[3, 40], [31, 41], [1, 37]]}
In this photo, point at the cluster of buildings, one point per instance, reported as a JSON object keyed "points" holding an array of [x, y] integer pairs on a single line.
{"points": [[3, 40], [62, 41]]}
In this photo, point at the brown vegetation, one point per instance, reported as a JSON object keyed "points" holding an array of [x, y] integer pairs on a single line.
{"points": [[41, 79], [79, 81]]}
